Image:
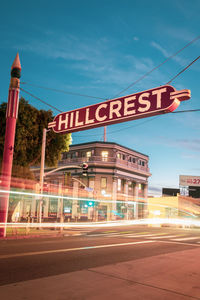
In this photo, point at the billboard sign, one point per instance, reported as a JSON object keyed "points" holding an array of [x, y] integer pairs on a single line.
{"points": [[144, 104], [186, 180]]}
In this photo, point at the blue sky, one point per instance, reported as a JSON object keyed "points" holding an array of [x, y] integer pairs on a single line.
{"points": [[99, 48]]}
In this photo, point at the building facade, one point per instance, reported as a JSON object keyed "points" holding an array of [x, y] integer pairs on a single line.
{"points": [[116, 179]]}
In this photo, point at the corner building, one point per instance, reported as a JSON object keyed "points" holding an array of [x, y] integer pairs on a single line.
{"points": [[115, 175]]}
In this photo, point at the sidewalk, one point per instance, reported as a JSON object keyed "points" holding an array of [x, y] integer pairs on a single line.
{"points": [[174, 276], [23, 233]]}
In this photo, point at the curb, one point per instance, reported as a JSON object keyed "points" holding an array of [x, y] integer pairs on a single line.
{"points": [[47, 235]]}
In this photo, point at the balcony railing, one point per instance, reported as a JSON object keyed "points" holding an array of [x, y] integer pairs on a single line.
{"points": [[104, 161]]}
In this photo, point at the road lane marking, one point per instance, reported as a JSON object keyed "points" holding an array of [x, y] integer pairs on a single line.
{"points": [[142, 235], [123, 235], [186, 239], [104, 234], [178, 243], [71, 249], [164, 237]]}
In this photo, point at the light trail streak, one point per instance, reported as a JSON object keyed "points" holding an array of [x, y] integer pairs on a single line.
{"points": [[82, 199], [67, 197], [68, 225]]}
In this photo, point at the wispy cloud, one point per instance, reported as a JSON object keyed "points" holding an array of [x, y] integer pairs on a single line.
{"points": [[187, 9], [190, 156], [166, 54], [191, 144], [160, 48], [99, 60], [191, 119]]}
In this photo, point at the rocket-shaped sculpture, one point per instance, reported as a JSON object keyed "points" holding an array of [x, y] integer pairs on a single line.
{"points": [[11, 118]]}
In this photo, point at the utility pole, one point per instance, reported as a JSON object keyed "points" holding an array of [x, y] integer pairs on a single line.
{"points": [[42, 173], [104, 136], [11, 118]]}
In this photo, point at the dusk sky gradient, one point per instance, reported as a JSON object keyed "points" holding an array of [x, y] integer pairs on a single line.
{"points": [[99, 48]]}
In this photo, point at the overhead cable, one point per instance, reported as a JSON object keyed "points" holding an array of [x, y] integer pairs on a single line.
{"points": [[41, 100], [149, 120], [62, 91], [183, 70], [158, 66]]}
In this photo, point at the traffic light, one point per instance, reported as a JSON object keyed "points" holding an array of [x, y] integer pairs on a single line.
{"points": [[84, 169]]}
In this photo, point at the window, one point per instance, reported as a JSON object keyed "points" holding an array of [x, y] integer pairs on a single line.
{"points": [[53, 206], [88, 155], [73, 154], [103, 182], [132, 159], [119, 184], [141, 162], [104, 155], [91, 183], [119, 155]]}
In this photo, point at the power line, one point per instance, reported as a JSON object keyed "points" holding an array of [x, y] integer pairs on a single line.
{"points": [[132, 84], [183, 70], [41, 100], [114, 131], [146, 121], [127, 88], [184, 111], [146, 74], [62, 91]]}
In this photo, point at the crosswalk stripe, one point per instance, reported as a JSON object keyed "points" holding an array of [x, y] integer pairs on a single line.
{"points": [[137, 235], [186, 239], [164, 237], [149, 236], [104, 234], [123, 235]]}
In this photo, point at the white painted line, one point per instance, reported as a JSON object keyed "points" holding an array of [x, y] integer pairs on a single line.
{"points": [[71, 249], [104, 234], [164, 237], [139, 236], [122, 235], [186, 239], [179, 243]]}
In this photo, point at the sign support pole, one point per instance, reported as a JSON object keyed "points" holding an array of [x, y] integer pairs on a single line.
{"points": [[11, 118]]}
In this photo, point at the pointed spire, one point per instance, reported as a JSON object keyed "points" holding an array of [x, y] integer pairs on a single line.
{"points": [[16, 64]]}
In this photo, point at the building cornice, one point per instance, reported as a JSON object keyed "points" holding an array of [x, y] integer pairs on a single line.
{"points": [[106, 145]]}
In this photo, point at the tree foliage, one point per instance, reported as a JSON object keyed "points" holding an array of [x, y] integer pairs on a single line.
{"points": [[28, 138]]}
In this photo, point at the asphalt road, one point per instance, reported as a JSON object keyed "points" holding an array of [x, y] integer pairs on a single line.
{"points": [[23, 260]]}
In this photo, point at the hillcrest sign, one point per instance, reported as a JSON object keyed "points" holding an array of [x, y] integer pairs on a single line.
{"points": [[160, 100]]}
